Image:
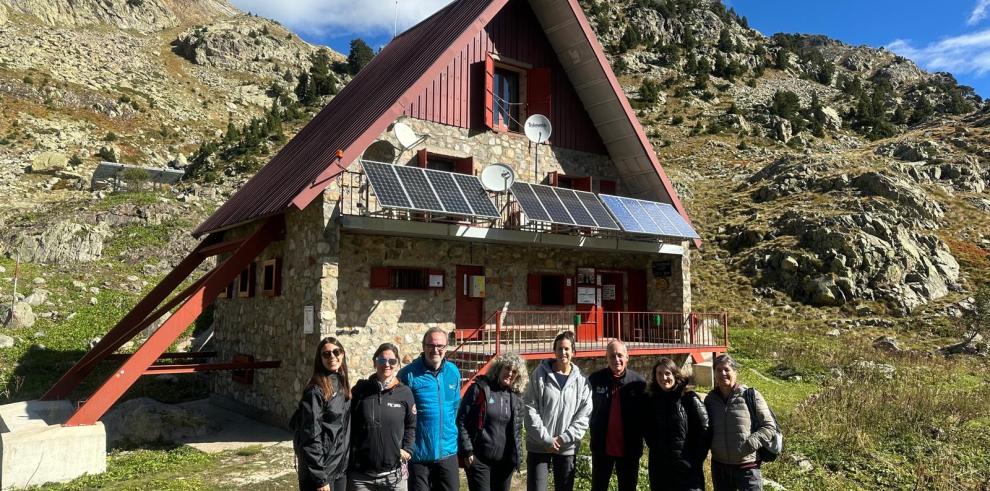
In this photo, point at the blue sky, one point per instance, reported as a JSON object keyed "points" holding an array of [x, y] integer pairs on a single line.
{"points": [[946, 35]]}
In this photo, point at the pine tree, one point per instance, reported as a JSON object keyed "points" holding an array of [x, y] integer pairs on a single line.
{"points": [[783, 60], [725, 43], [922, 110], [360, 55]]}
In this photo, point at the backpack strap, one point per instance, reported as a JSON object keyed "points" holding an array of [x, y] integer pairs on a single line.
{"points": [[750, 397], [482, 401]]}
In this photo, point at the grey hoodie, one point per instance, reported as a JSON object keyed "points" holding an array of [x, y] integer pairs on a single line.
{"points": [[552, 410]]}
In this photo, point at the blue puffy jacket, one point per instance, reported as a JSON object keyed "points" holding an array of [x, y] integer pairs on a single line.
{"points": [[437, 398]]}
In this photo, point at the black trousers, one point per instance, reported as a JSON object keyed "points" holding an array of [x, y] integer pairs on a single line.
{"points": [[486, 475], [665, 474], [538, 467], [434, 476], [626, 469], [727, 477], [307, 484]]}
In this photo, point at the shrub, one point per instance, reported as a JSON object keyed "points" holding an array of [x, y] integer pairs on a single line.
{"points": [[677, 119], [110, 137], [649, 91]]}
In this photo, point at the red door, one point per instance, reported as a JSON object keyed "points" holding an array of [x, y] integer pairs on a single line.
{"points": [[613, 302], [638, 324], [468, 310]]}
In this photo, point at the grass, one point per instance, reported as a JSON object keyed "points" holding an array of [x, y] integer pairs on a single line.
{"points": [[166, 470]]}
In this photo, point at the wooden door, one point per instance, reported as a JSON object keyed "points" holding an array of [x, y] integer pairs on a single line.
{"points": [[468, 311], [613, 301]]}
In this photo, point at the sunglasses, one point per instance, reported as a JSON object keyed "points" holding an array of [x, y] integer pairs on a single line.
{"points": [[382, 361], [438, 347], [336, 353]]}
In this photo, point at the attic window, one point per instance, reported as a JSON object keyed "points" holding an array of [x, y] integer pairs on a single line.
{"points": [[446, 163], [507, 101], [512, 93]]}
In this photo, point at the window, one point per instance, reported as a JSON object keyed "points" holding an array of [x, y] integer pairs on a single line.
{"points": [[550, 289], [582, 183], [246, 282], [271, 278], [446, 163], [506, 99], [404, 278]]}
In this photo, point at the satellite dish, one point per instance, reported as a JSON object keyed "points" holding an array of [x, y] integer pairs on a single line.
{"points": [[380, 151], [406, 137], [498, 178], [538, 128]]}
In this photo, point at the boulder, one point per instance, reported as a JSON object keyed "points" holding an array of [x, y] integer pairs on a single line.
{"points": [[783, 130], [6, 341], [49, 163], [832, 119], [21, 316], [144, 421], [886, 343], [37, 297], [61, 243]]}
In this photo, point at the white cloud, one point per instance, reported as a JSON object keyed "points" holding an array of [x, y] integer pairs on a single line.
{"points": [[343, 17], [964, 54], [979, 12]]}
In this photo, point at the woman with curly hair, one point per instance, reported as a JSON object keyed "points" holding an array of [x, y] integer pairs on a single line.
{"points": [[676, 430], [322, 421], [489, 425]]}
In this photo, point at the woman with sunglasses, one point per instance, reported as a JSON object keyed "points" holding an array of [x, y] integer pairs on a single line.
{"points": [[383, 424], [321, 422], [489, 425]]}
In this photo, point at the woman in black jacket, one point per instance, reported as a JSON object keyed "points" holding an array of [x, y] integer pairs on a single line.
{"points": [[489, 425], [676, 430], [321, 422], [383, 422]]}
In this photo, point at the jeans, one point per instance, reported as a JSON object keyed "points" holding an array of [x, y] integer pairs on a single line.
{"points": [[489, 475], [393, 481], [539, 467], [307, 484], [441, 475], [626, 470], [728, 477]]}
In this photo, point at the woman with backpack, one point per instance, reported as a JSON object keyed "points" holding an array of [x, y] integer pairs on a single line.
{"points": [[676, 430], [489, 425], [742, 424], [383, 425], [321, 422]]}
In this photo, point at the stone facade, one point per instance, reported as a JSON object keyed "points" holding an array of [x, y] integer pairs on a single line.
{"points": [[329, 270]]}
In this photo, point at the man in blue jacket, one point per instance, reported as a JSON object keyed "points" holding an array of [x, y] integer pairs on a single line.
{"points": [[436, 386]]}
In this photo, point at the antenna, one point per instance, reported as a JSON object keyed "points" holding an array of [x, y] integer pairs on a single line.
{"points": [[395, 21], [498, 178], [538, 130]]}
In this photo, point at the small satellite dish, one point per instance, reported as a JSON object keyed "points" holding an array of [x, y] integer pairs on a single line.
{"points": [[538, 128], [380, 151], [498, 178], [406, 137]]}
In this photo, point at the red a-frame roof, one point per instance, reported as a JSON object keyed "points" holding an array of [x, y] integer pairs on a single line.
{"points": [[377, 95]]}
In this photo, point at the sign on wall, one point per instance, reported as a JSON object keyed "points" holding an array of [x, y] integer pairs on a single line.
{"points": [[662, 269], [586, 295], [608, 292], [308, 319]]}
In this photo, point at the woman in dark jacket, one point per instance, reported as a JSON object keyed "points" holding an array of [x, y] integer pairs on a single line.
{"points": [[383, 422], [676, 430], [489, 425], [321, 423]]}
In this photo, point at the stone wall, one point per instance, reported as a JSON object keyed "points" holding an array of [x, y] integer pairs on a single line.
{"points": [[509, 148]]}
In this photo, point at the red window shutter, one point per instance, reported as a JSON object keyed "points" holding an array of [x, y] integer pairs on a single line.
{"points": [[464, 166], [489, 92], [581, 183], [553, 179], [380, 277], [533, 296], [606, 187], [567, 289], [422, 157], [538, 91]]}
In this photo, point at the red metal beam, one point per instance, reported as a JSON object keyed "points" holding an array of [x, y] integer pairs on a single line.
{"points": [[118, 383], [220, 248], [169, 356], [122, 332], [600, 353], [210, 367]]}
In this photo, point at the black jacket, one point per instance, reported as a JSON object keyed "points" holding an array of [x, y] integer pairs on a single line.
{"points": [[632, 392], [321, 436], [677, 429], [484, 402], [382, 423]]}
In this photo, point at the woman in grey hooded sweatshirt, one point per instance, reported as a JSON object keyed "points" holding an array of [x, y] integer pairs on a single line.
{"points": [[558, 405]]}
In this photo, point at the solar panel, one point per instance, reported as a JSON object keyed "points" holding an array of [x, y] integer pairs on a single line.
{"points": [[476, 195], [575, 208], [450, 195], [558, 214], [597, 211], [685, 228], [656, 213], [386, 184], [642, 216], [625, 218], [530, 204], [418, 188]]}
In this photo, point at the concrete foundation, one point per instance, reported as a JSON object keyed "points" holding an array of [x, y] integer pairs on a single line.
{"points": [[704, 375], [35, 448]]}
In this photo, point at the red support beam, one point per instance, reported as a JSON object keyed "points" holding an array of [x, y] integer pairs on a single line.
{"points": [[220, 247], [169, 356], [97, 405], [122, 332], [209, 367]]}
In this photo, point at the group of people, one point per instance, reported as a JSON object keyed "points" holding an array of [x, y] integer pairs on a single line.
{"points": [[410, 428]]}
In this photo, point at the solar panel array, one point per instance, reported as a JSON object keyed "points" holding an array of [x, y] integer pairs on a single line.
{"points": [[415, 188], [561, 206], [648, 217]]}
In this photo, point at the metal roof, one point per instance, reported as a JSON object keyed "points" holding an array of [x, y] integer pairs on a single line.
{"points": [[381, 91]]}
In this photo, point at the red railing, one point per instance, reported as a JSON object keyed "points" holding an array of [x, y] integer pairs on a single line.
{"points": [[532, 332]]}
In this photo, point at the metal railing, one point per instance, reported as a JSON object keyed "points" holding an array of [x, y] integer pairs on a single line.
{"points": [[532, 332]]}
